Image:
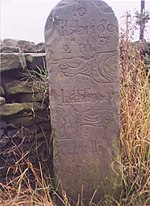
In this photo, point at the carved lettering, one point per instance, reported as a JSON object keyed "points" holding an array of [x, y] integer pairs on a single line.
{"points": [[110, 27], [80, 148], [81, 11], [100, 28], [67, 28], [87, 95]]}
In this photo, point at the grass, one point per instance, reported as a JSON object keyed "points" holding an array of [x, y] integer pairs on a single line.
{"points": [[135, 144], [135, 126]]}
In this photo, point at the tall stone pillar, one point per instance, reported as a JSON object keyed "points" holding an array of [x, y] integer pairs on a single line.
{"points": [[81, 38]]}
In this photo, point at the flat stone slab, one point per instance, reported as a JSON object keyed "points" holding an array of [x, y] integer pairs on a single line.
{"points": [[12, 61], [23, 87], [2, 100], [15, 108], [81, 39], [35, 60]]}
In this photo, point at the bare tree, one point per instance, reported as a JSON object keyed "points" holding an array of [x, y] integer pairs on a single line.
{"points": [[142, 18], [142, 23]]}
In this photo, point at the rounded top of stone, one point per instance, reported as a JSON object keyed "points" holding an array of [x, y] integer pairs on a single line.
{"points": [[99, 5]]}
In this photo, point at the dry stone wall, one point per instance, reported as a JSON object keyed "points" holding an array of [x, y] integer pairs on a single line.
{"points": [[24, 123]]}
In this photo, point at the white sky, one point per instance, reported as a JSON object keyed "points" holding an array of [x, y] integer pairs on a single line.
{"points": [[25, 19]]}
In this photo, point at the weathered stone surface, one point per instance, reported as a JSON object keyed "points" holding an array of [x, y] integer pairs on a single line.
{"points": [[12, 109], [40, 47], [81, 39], [1, 42], [12, 75], [2, 100], [35, 60], [1, 132], [3, 124], [11, 61], [10, 42], [34, 97], [17, 87], [24, 121], [9, 49], [2, 92], [41, 114], [8, 45], [26, 46]]}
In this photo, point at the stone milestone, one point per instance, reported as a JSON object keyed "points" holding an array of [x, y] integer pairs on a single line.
{"points": [[81, 39]]}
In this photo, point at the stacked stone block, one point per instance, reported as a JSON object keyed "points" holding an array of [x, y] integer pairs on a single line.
{"points": [[24, 124]]}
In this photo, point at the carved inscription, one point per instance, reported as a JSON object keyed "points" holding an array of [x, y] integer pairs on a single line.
{"points": [[79, 10], [67, 28], [87, 95], [82, 60], [81, 148]]}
